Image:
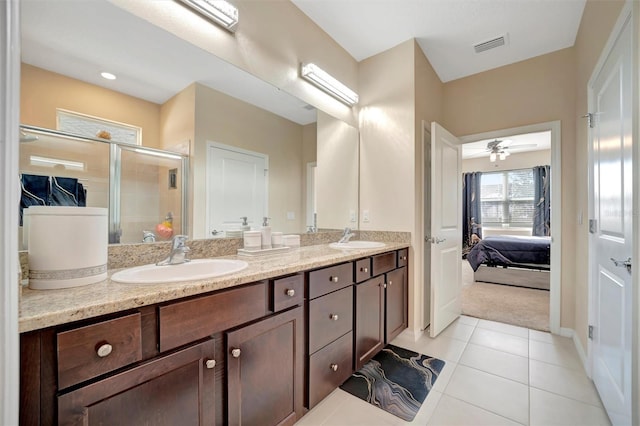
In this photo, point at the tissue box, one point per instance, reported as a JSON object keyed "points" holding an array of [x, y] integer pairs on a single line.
{"points": [[67, 246]]}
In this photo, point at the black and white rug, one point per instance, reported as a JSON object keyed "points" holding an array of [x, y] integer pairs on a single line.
{"points": [[396, 379]]}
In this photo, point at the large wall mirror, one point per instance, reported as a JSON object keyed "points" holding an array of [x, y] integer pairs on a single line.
{"points": [[253, 149]]}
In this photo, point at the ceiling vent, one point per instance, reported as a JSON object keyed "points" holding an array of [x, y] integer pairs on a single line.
{"points": [[309, 107], [491, 44]]}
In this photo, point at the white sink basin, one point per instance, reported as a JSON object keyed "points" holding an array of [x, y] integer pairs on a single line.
{"points": [[357, 245], [195, 270]]}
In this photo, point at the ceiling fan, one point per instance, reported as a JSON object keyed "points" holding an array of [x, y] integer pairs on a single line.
{"points": [[501, 149]]}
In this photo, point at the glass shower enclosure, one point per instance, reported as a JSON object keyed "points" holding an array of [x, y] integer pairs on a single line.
{"points": [[143, 188]]}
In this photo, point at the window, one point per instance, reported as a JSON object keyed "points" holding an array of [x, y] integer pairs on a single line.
{"points": [[95, 127], [507, 198]]}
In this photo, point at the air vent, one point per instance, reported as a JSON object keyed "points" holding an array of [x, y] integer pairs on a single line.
{"points": [[491, 44], [309, 107]]}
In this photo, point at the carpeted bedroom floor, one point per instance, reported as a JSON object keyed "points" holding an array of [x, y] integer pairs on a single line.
{"points": [[519, 306]]}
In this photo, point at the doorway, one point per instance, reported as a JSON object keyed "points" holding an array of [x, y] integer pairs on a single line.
{"points": [[237, 188], [553, 128]]}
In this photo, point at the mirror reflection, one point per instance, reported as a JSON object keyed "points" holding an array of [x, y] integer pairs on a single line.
{"points": [[254, 151]]}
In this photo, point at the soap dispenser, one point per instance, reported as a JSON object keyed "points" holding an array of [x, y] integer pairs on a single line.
{"points": [[245, 225], [266, 233]]}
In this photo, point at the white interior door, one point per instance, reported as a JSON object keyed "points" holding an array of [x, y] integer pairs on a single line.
{"points": [[446, 228], [611, 231], [236, 187]]}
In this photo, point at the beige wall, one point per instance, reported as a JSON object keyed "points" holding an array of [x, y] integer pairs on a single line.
{"points": [[309, 155], [223, 119], [520, 160], [597, 22], [537, 90], [43, 91], [336, 173], [398, 89]]}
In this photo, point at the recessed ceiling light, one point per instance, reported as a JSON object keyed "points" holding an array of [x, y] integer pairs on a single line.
{"points": [[108, 75]]}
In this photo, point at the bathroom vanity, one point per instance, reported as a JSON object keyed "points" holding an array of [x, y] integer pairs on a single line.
{"points": [[257, 347]]}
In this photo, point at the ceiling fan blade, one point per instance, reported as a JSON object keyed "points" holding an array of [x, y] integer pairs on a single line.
{"points": [[522, 146]]}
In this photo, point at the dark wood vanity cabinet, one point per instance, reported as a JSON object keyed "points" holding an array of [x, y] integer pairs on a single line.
{"points": [[381, 305], [258, 353], [265, 365], [174, 389]]}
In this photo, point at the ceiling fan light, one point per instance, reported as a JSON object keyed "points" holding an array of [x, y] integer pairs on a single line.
{"points": [[503, 155], [492, 157]]}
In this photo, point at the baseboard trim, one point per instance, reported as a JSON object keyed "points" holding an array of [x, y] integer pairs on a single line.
{"points": [[569, 332]]}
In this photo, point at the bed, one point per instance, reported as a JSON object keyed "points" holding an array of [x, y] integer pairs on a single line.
{"points": [[512, 260]]}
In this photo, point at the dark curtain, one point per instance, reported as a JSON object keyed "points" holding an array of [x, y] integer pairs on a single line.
{"points": [[471, 214], [542, 201]]}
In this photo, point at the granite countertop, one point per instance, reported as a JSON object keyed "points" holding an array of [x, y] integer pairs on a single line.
{"points": [[45, 308]]}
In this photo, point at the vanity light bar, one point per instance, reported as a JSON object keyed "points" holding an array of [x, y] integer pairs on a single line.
{"points": [[322, 79], [220, 11]]}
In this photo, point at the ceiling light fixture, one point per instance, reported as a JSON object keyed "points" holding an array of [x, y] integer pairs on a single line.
{"points": [[221, 12], [326, 82], [492, 157], [108, 75]]}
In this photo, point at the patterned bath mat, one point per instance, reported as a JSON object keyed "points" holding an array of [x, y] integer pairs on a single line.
{"points": [[396, 379]]}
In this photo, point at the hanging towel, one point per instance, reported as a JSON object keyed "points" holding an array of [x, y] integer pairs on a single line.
{"points": [[64, 192], [82, 196], [35, 191]]}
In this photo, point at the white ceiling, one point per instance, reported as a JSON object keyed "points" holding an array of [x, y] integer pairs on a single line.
{"points": [[447, 30]]}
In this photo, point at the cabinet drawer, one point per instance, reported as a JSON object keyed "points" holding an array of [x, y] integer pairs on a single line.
{"points": [[330, 317], [87, 352], [382, 263], [329, 368], [287, 292], [403, 257], [323, 281], [193, 319], [363, 269]]}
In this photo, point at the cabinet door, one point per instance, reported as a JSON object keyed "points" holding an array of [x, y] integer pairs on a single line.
{"points": [[175, 389], [369, 319], [264, 370], [396, 303]]}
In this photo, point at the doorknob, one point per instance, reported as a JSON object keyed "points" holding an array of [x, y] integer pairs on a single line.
{"points": [[623, 263]]}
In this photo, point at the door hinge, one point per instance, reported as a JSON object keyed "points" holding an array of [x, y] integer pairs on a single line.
{"points": [[593, 226], [590, 119], [590, 332]]}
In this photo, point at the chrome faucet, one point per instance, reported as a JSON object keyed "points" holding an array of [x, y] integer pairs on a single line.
{"points": [[148, 237], [179, 252], [346, 235]]}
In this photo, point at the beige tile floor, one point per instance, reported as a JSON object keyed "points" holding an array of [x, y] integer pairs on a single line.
{"points": [[495, 374]]}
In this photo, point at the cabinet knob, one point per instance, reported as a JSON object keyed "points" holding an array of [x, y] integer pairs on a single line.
{"points": [[210, 363], [333, 317], [334, 367], [404, 257], [235, 352], [291, 292], [365, 270], [390, 282], [104, 350], [334, 279]]}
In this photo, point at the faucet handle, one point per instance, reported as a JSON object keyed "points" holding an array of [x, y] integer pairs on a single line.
{"points": [[179, 240]]}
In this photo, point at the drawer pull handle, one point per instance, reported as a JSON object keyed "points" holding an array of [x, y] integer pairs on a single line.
{"points": [[334, 279], [291, 292], [210, 363], [404, 257], [365, 270], [104, 350], [333, 317], [334, 367], [236, 352]]}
